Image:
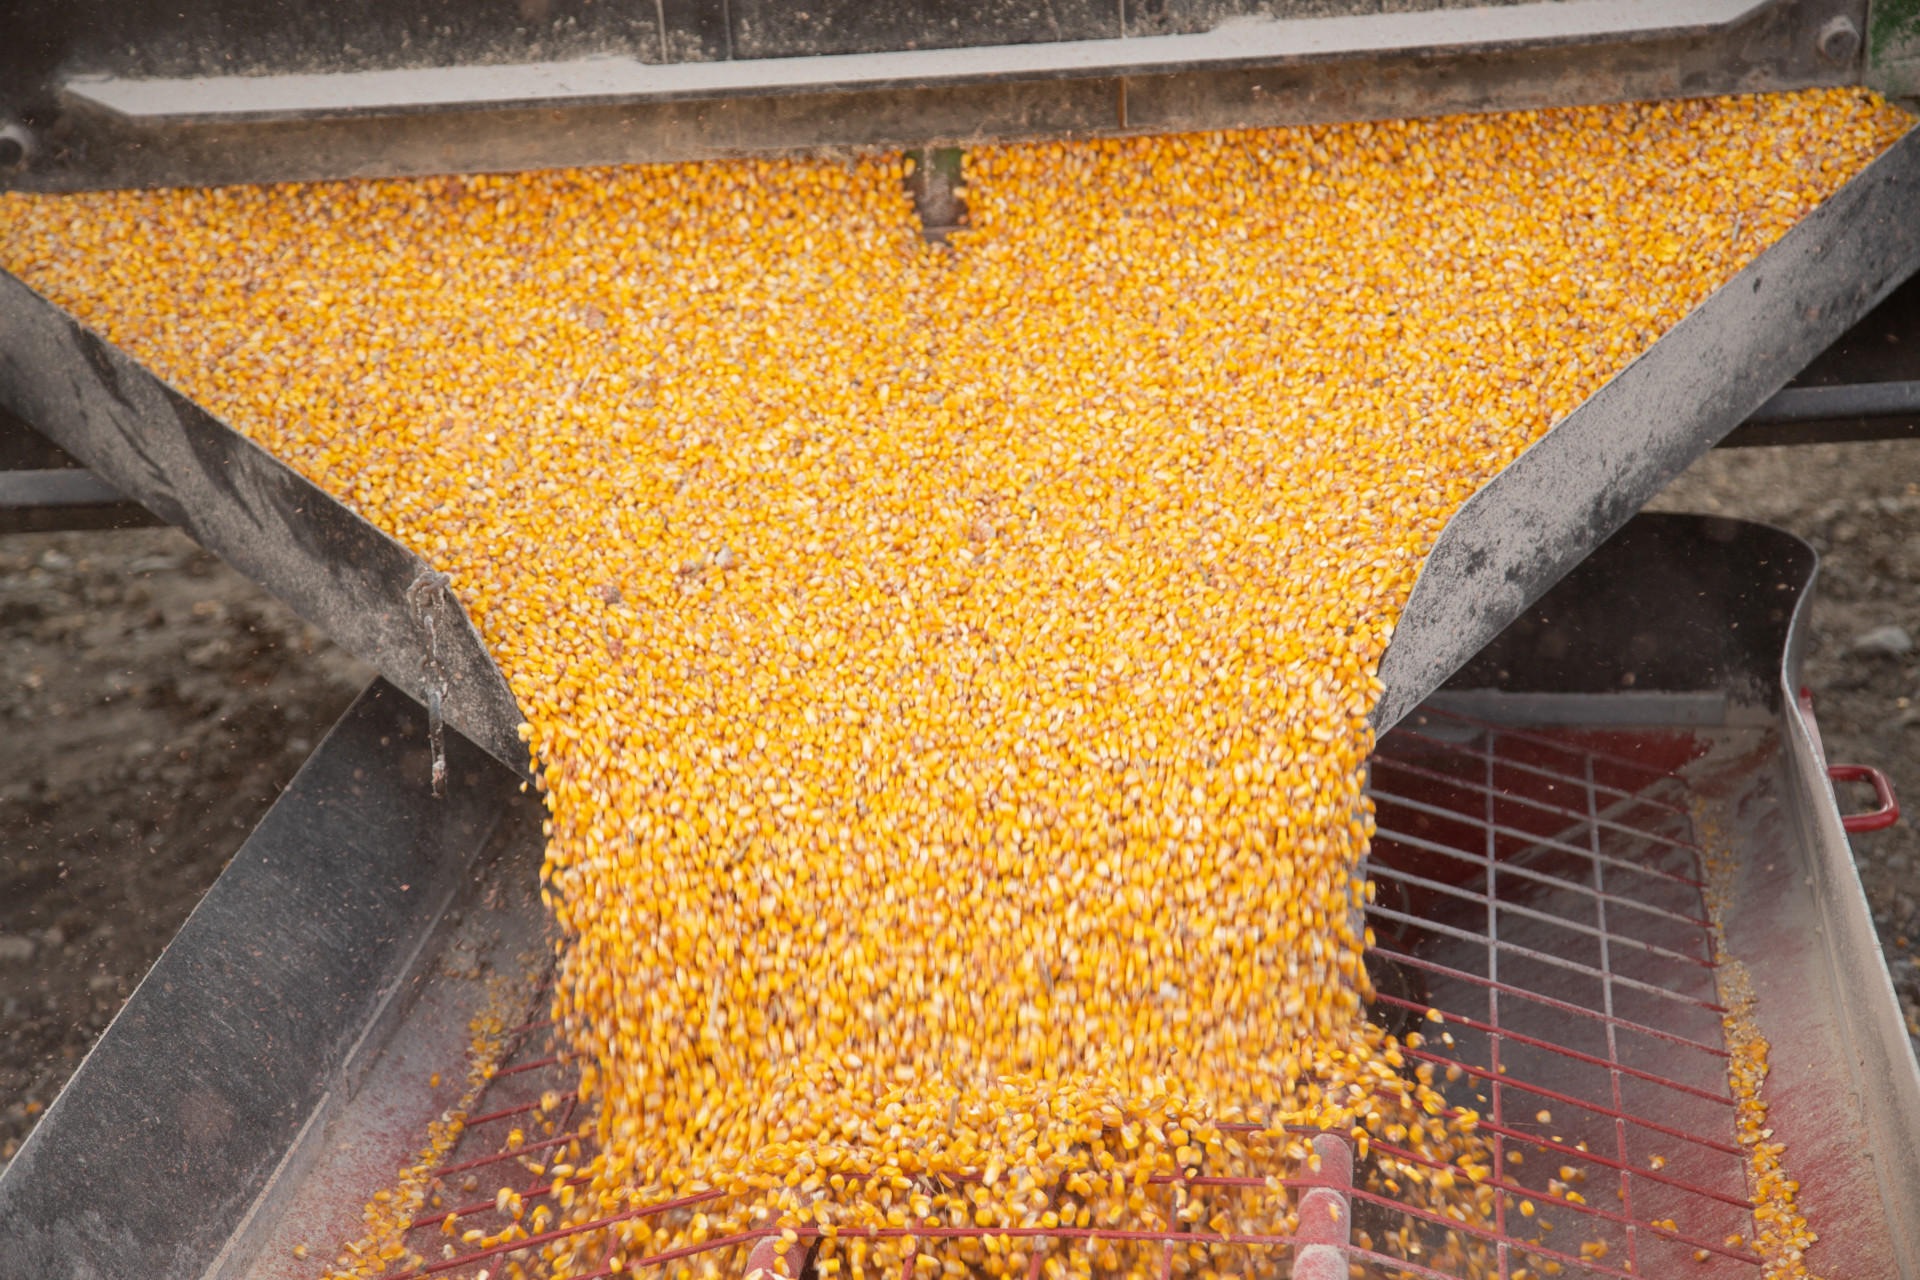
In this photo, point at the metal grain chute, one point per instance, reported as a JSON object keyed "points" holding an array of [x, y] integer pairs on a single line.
{"points": [[1595, 785]]}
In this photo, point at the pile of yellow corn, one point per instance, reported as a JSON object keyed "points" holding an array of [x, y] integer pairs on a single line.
{"points": [[948, 667]]}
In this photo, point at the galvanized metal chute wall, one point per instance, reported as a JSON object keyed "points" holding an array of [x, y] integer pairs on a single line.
{"points": [[217, 1083], [1701, 622]]}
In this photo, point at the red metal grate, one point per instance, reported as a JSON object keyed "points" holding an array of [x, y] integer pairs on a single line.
{"points": [[1544, 893]]}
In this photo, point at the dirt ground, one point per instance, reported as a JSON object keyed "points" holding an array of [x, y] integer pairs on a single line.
{"points": [[155, 703], [152, 705]]}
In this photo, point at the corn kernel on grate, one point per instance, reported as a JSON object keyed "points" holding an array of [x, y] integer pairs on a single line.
{"points": [[948, 670]]}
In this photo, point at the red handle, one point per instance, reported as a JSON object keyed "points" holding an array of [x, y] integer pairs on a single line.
{"points": [[1879, 819]]}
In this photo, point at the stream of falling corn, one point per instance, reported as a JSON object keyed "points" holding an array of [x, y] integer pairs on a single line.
{"points": [[948, 667]]}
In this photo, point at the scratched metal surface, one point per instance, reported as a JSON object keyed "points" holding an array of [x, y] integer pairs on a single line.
{"points": [[270, 1004]]}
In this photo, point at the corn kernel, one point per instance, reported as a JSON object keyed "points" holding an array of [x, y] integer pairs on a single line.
{"points": [[948, 668]]}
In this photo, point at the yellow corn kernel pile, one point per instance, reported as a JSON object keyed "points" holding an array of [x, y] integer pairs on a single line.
{"points": [[948, 668]]}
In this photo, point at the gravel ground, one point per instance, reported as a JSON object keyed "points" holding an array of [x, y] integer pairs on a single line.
{"points": [[156, 704]]}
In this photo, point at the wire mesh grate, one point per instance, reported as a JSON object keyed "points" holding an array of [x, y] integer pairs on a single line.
{"points": [[1542, 892], [1545, 893]]}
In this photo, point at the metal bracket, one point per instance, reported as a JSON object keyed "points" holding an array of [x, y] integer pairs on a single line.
{"points": [[44, 490], [427, 597], [66, 498], [1827, 415]]}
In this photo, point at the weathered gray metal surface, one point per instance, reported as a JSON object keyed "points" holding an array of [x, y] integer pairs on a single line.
{"points": [[43, 490], [235, 499], [1856, 400], [483, 961], [262, 1013], [1586, 477], [1878, 1094], [1866, 386], [127, 131], [1248, 42], [62, 487]]}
